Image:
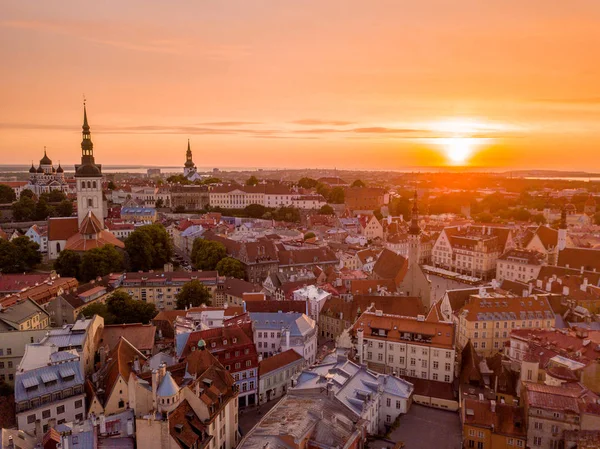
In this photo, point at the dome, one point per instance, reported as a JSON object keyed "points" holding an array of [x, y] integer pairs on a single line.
{"points": [[32, 169], [168, 387], [570, 207], [40, 169], [45, 160], [88, 170], [59, 169], [201, 344]]}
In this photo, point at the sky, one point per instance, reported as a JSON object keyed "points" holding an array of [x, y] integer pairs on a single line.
{"points": [[378, 84]]}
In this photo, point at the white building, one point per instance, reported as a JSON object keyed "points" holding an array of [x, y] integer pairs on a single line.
{"points": [[40, 236], [519, 265], [315, 297], [308, 201], [377, 398], [278, 332]]}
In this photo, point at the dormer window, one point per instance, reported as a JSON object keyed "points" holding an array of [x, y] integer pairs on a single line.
{"points": [[224, 342], [213, 345]]}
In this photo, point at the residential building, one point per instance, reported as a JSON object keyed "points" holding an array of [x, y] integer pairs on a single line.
{"points": [[12, 348], [487, 319], [189, 198], [365, 198], [25, 314], [13, 283], [275, 374], [490, 425], [315, 297], [586, 259], [52, 392], [140, 336], [41, 293], [379, 399], [313, 421], [298, 259], [139, 214], [553, 410], [234, 348], [519, 265], [370, 227], [278, 332], [308, 202], [405, 346], [39, 235]]}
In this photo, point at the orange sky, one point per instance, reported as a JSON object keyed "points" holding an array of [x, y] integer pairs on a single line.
{"points": [[303, 83]]}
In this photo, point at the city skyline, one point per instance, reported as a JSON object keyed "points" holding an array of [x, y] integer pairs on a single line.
{"points": [[317, 84]]}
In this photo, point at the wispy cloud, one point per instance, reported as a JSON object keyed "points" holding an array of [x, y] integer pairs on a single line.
{"points": [[316, 122], [580, 100]]}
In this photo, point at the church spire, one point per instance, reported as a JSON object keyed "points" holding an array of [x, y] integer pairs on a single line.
{"points": [[414, 228], [87, 147], [189, 163]]}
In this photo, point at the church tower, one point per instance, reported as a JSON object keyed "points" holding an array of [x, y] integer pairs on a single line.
{"points": [[562, 230], [189, 166], [89, 178], [414, 235]]}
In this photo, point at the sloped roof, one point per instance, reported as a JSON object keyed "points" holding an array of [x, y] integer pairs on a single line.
{"points": [[577, 258], [390, 265], [168, 387], [277, 361], [122, 357], [62, 228], [141, 336]]}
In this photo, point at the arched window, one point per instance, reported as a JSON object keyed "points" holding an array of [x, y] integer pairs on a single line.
{"points": [[90, 202], [57, 247], [89, 185], [94, 184]]}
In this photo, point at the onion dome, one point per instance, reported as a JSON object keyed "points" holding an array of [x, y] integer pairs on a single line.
{"points": [[45, 160], [88, 170], [40, 169], [59, 169], [32, 169]]}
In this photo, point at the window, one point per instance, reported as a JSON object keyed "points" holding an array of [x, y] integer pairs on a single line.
{"points": [[471, 433], [519, 443], [380, 345], [8, 351], [537, 425], [380, 357], [413, 362], [537, 441], [46, 414], [471, 443], [369, 355], [30, 419], [390, 359], [435, 376], [510, 441], [446, 378], [448, 366], [556, 415], [60, 409], [423, 363], [554, 428], [388, 418], [479, 434], [237, 365], [480, 445], [388, 402], [78, 403], [398, 405], [78, 417]]}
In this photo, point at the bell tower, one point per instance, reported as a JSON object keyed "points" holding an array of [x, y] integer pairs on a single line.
{"points": [[89, 178]]}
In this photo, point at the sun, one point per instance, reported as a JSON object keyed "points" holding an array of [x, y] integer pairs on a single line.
{"points": [[459, 149]]}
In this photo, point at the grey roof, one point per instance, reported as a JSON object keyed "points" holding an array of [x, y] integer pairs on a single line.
{"points": [[180, 342], [168, 387], [30, 378], [69, 335], [19, 312], [62, 356], [298, 323]]}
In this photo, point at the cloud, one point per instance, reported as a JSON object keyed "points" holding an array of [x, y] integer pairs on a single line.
{"points": [[383, 130], [229, 123], [315, 122]]}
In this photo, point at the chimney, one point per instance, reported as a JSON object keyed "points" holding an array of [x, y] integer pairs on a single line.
{"points": [[565, 290], [584, 285], [136, 364], [359, 348], [493, 406], [549, 286], [155, 383], [102, 424], [525, 293], [530, 287], [287, 340]]}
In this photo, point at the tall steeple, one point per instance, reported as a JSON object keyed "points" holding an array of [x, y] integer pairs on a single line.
{"points": [[414, 228], [87, 147], [189, 163]]}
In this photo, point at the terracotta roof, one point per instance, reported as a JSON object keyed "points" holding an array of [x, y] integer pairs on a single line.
{"points": [[470, 374], [90, 225], [141, 336], [431, 388], [368, 286], [82, 242], [276, 306], [441, 334], [586, 258], [526, 256], [62, 228], [17, 282], [42, 293], [307, 256], [568, 398], [547, 235], [506, 419], [507, 308], [391, 305], [121, 360], [278, 361], [186, 428], [390, 266]]}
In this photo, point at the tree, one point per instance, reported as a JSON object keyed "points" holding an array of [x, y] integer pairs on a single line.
{"points": [[7, 194], [206, 254], [400, 206], [111, 185], [27, 194], [252, 181], [120, 308], [231, 267], [336, 195], [180, 209], [64, 209], [5, 389], [309, 235], [100, 309], [149, 247], [100, 262], [24, 209], [307, 183], [159, 203], [289, 214], [211, 180], [53, 196], [68, 264], [326, 210], [28, 251], [538, 218], [178, 179], [9, 257], [42, 210], [484, 217], [255, 210], [193, 293], [358, 183]]}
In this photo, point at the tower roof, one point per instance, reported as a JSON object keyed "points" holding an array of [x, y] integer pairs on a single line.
{"points": [[59, 169], [88, 167], [40, 169], [45, 160], [414, 228], [32, 169], [188, 157]]}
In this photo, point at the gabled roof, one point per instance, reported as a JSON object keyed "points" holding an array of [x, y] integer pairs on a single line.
{"points": [[121, 362], [90, 225], [390, 266], [186, 428], [278, 361], [586, 258], [62, 228], [141, 336]]}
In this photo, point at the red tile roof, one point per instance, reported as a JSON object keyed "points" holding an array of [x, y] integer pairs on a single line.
{"points": [[278, 361], [62, 228], [141, 336]]}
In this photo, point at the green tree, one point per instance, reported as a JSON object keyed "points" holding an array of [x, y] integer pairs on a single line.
{"points": [[159, 203], [231, 267], [193, 293], [68, 264], [289, 214], [307, 183], [206, 254], [149, 247], [358, 183], [336, 195], [42, 210], [111, 185], [9, 257], [7, 194], [309, 235], [211, 180], [178, 179], [255, 210], [400, 206], [252, 181], [64, 209], [53, 196], [27, 194], [100, 262], [24, 209], [120, 308], [5, 389], [100, 309], [28, 251], [484, 217], [326, 210]]}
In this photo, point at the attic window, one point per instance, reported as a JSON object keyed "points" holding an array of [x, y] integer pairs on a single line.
{"points": [[179, 428], [213, 344], [234, 340], [224, 342]]}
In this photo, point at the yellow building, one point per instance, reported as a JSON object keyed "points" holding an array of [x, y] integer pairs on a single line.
{"points": [[488, 319], [488, 425]]}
